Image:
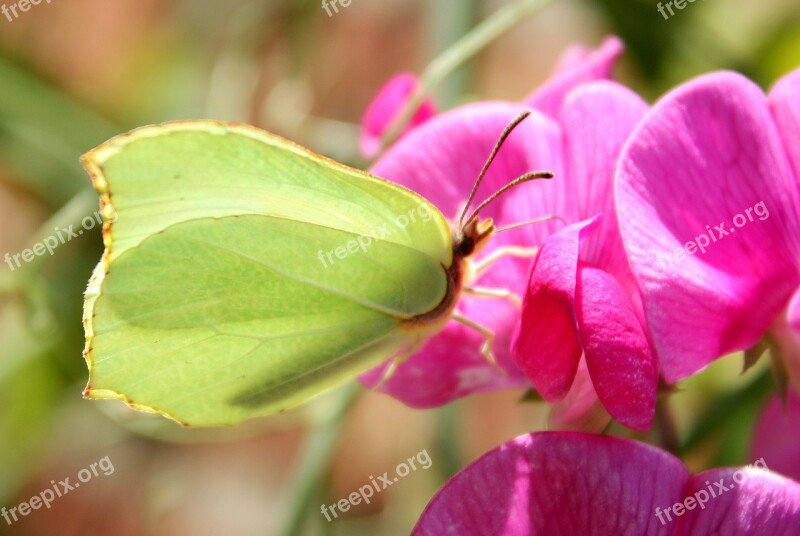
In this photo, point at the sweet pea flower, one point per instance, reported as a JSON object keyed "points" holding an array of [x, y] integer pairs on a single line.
{"points": [[577, 65], [577, 134], [775, 438], [708, 201], [553, 483], [581, 298], [385, 107]]}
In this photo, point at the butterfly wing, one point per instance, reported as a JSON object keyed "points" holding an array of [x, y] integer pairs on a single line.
{"points": [[243, 274]]}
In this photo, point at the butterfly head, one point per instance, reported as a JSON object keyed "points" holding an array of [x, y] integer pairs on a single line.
{"points": [[473, 236]]}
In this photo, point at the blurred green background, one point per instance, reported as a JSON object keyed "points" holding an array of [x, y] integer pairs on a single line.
{"points": [[73, 74]]}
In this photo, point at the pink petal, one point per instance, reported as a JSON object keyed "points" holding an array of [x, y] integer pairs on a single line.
{"points": [[545, 343], [580, 410], [761, 503], [440, 160], [558, 483], [572, 58], [771, 440], [794, 311], [784, 99], [597, 119], [571, 73], [787, 346], [448, 367], [623, 369], [384, 108], [706, 153]]}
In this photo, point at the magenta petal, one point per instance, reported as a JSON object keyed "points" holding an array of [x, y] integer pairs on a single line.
{"points": [[545, 344], [573, 71], [705, 155], [597, 119], [623, 369], [384, 108], [442, 158], [776, 439], [448, 367], [558, 483], [793, 314], [785, 102], [571, 58], [787, 343], [754, 502], [580, 410]]}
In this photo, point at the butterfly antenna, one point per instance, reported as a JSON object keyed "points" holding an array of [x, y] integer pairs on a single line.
{"points": [[531, 176], [510, 128], [530, 222]]}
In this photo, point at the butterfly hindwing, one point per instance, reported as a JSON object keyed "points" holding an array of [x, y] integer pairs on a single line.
{"points": [[231, 285]]}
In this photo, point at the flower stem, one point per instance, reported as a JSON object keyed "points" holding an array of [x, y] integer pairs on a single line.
{"points": [[314, 462], [668, 430]]}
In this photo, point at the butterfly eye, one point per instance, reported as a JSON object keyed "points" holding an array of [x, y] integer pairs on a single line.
{"points": [[466, 246]]}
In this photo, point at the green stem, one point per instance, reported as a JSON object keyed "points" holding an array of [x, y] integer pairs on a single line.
{"points": [[456, 55], [314, 463], [726, 407], [668, 430], [449, 447], [446, 22]]}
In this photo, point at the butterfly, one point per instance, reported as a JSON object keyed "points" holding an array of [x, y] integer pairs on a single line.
{"points": [[243, 274]]}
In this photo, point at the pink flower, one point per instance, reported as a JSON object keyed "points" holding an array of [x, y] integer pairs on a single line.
{"points": [[775, 436], [442, 158], [384, 109], [571, 483], [578, 65], [581, 299], [708, 201]]}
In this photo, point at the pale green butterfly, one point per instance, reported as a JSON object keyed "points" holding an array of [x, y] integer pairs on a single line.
{"points": [[238, 279]]}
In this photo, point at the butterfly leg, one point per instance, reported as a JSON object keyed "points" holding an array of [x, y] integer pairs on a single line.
{"points": [[488, 340], [396, 361], [506, 251], [483, 292], [486, 263]]}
